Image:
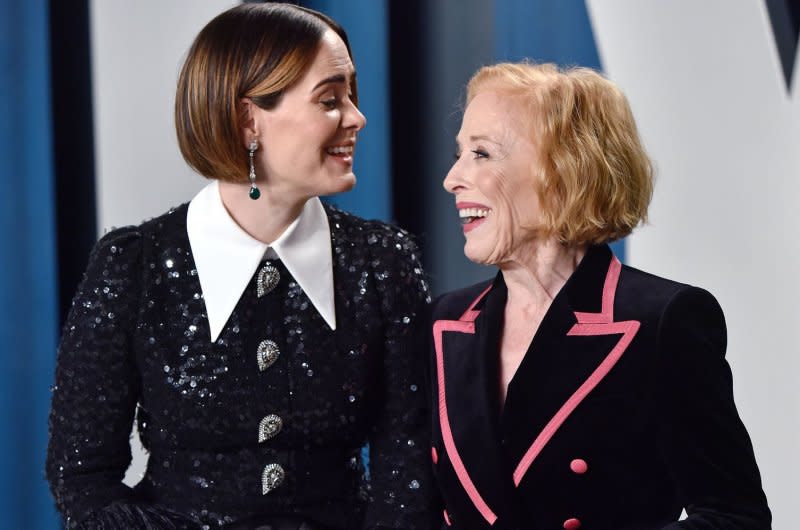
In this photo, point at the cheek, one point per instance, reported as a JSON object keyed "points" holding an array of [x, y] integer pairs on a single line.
{"points": [[501, 196]]}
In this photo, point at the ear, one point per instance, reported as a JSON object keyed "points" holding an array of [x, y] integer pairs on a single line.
{"points": [[247, 121]]}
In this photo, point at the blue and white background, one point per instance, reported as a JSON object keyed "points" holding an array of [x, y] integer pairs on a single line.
{"points": [[87, 142]]}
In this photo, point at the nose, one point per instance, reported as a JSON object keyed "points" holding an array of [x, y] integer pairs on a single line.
{"points": [[353, 118], [454, 181]]}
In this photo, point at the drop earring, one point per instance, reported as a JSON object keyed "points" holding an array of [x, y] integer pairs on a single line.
{"points": [[255, 193]]}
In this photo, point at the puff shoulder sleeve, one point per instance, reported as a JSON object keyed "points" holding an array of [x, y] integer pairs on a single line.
{"points": [[96, 389]]}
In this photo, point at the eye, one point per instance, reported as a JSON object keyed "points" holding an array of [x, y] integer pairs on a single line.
{"points": [[329, 103], [480, 153], [457, 155]]}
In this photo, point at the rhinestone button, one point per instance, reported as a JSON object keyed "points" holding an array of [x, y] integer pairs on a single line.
{"points": [[268, 278], [271, 478], [270, 426], [268, 353]]}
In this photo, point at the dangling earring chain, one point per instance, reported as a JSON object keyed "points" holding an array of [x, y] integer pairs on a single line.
{"points": [[254, 191]]}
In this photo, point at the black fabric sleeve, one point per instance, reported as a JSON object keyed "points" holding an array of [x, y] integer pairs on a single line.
{"points": [[402, 487], [96, 388], [702, 437]]}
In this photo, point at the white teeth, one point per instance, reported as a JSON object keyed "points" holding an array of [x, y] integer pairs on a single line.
{"points": [[473, 212], [342, 150]]}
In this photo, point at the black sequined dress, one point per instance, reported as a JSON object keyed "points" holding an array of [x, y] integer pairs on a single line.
{"points": [[270, 418]]}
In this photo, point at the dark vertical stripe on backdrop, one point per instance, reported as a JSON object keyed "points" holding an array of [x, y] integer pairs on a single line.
{"points": [[547, 31], [407, 61], [73, 146], [366, 24], [28, 311]]}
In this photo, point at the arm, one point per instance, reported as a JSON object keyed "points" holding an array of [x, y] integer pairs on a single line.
{"points": [[402, 485], [95, 394], [702, 437]]}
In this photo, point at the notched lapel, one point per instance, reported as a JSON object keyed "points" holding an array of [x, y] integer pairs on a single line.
{"points": [[466, 418], [601, 338]]}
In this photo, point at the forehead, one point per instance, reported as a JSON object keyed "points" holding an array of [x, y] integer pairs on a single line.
{"points": [[492, 114], [332, 58]]}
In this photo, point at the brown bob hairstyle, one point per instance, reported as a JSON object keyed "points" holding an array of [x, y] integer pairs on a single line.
{"points": [[596, 180], [254, 51]]}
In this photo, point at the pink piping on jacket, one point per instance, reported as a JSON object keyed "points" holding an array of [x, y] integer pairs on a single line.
{"points": [[588, 324], [465, 324]]}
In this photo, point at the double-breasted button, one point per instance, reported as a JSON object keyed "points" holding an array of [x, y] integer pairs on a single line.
{"points": [[572, 524], [271, 478], [269, 427], [267, 354], [579, 466], [267, 279]]}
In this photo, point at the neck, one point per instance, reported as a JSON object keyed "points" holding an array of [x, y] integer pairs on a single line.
{"points": [[535, 275], [266, 218]]}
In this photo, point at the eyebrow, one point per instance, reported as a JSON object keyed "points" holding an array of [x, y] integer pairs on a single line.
{"points": [[479, 137], [337, 78]]}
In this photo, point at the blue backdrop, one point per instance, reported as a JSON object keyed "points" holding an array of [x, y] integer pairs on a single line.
{"points": [[27, 264]]}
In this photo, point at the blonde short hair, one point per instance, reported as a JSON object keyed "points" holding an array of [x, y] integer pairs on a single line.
{"points": [[596, 179]]}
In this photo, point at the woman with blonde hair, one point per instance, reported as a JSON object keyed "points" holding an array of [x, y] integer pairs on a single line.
{"points": [[573, 391]]}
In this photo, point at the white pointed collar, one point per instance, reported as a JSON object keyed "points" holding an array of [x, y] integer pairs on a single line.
{"points": [[226, 256]]}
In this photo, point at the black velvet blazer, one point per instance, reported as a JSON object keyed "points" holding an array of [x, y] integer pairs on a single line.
{"points": [[240, 430], [620, 414]]}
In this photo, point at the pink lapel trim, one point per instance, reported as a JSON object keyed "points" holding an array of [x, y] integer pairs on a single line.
{"points": [[465, 324], [588, 324]]}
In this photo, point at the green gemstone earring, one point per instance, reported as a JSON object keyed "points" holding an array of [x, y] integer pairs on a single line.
{"points": [[255, 193]]}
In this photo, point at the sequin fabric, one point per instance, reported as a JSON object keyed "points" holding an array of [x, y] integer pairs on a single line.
{"points": [[237, 430]]}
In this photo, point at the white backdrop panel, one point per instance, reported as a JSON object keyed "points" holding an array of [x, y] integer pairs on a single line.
{"points": [[137, 51], [705, 83]]}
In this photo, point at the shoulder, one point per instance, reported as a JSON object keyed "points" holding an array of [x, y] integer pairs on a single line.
{"points": [[677, 309], [172, 219], [643, 291], [368, 231], [118, 244], [386, 245], [451, 305], [171, 223], [390, 252], [125, 245]]}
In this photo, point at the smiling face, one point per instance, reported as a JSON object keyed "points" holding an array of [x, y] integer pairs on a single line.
{"points": [[494, 179], [306, 142]]}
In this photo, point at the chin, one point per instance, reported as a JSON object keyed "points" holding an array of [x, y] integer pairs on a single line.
{"points": [[341, 184], [475, 255]]}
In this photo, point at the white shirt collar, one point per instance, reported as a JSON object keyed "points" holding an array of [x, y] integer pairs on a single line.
{"points": [[227, 257]]}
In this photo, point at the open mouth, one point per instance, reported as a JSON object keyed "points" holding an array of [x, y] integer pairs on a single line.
{"points": [[341, 151], [471, 215]]}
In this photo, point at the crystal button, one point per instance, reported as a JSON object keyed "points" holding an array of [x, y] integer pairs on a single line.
{"points": [[268, 278], [271, 478], [270, 426], [268, 353]]}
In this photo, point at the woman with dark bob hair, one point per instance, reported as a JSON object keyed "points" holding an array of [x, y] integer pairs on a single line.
{"points": [[573, 391], [259, 337]]}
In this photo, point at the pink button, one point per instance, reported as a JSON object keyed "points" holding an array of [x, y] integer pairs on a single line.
{"points": [[447, 518], [572, 524], [579, 466], [434, 455]]}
